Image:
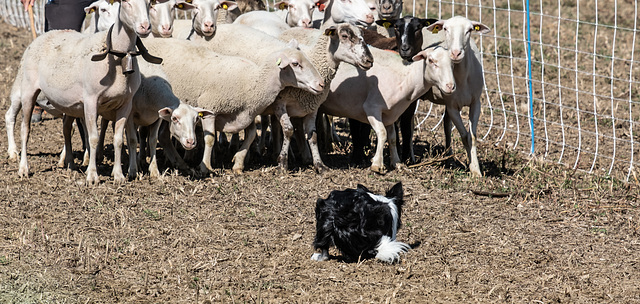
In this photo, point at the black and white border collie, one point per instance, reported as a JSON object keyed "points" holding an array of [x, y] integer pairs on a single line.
{"points": [[361, 224]]}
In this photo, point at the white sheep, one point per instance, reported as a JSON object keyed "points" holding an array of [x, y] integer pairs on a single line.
{"points": [[59, 63], [205, 16], [356, 12], [341, 43], [162, 15], [292, 13], [381, 94], [454, 34], [103, 15], [155, 102], [235, 89], [326, 49]]}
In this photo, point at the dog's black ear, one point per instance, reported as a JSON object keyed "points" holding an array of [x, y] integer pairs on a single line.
{"points": [[395, 191], [362, 188]]}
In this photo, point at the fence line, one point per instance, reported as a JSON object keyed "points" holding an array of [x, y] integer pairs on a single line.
{"points": [[562, 74]]}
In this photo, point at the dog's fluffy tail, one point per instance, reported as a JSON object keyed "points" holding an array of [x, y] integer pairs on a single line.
{"points": [[389, 250]]}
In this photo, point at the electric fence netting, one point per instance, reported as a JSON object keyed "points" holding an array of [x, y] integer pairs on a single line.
{"points": [[562, 78]]}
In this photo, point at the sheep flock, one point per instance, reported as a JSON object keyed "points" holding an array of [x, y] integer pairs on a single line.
{"points": [[187, 84]]}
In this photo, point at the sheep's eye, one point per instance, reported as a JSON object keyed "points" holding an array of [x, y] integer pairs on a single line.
{"points": [[295, 64]]}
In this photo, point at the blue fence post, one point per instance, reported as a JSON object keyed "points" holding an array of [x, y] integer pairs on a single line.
{"points": [[530, 93]]}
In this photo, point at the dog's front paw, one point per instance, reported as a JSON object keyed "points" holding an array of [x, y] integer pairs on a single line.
{"points": [[320, 256]]}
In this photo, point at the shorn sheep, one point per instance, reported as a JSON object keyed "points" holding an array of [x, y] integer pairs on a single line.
{"points": [[380, 95], [408, 42], [82, 76], [234, 89], [103, 15], [326, 50], [336, 44], [455, 35]]}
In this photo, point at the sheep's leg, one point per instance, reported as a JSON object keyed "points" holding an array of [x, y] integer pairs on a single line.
{"points": [[377, 164], [447, 133], [153, 143], [474, 115], [287, 131], [67, 131], [264, 124], [312, 138], [170, 152], [276, 138], [10, 120], [28, 102], [466, 137], [240, 156], [118, 136], [208, 128], [132, 142], [301, 140], [406, 128], [82, 130], [104, 124], [393, 147]]}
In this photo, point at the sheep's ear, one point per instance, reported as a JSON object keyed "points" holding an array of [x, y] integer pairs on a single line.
{"points": [[228, 5], [330, 31], [185, 5], [282, 5], [435, 27], [91, 8], [165, 113], [293, 43], [480, 28], [386, 23], [283, 61], [427, 22], [395, 191], [422, 55], [204, 114]]}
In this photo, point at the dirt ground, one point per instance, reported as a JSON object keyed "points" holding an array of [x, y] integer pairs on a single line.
{"points": [[527, 232]]}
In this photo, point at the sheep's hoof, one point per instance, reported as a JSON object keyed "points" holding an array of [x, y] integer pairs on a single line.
{"points": [[13, 156], [378, 169], [119, 179], [92, 179], [23, 172], [401, 167], [476, 174], [321, 168], [282, 164], [238, 171]]}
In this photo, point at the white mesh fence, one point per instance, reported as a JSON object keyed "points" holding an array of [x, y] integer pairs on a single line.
{"points": [[584, 84]]}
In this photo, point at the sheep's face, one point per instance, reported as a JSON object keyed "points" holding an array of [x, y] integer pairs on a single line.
{"points": [[296, 70], [347, 45], [438, 68], [389, 9], [134, 15], [182, 123], [356, 12], [161, 16], [105, 14], [298, 12], [408, 34], [457, 31], [206, 14]]}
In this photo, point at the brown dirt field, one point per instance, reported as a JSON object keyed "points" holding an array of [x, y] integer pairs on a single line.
{"points": [[527, 232]]}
